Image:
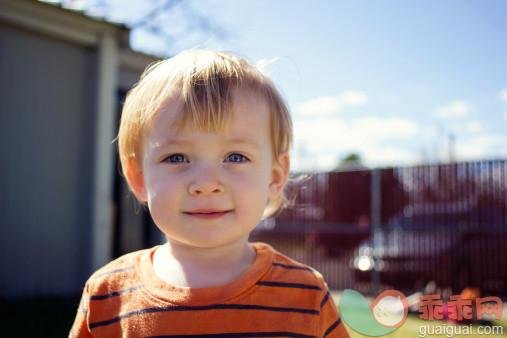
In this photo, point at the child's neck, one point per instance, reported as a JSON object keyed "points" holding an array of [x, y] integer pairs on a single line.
{"points": [[185, 266]]}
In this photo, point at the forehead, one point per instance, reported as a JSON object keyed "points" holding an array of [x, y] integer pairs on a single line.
{"points": [[249, 119]]}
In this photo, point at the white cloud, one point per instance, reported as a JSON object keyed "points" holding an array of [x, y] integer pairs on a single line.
{"points": [[324, 105], [320, 142], [388, 128], [328, 105], [503, 94], [474, 126], [481, 146], [353, 98], [391, 155], [467, 127], [454, 109]]}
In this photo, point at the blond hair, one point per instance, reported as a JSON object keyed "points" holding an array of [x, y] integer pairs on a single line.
{"points": [[204, 81]]}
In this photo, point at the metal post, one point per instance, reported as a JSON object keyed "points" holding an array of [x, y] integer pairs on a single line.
{"points": [[108, 65], [375, 210]]}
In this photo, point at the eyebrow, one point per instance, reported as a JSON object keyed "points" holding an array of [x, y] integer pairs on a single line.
{"points": [[171, 142], [182, 142], [244, 141]]}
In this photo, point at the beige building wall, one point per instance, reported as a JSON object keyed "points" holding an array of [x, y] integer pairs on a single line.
{"points": [[60, 76]]}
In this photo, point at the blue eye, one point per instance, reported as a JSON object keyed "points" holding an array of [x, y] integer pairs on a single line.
{"points": [[236, 158], [177, 158]]}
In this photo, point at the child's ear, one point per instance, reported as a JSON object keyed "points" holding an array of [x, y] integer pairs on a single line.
{"points": [[136, 178], [279, 175]]}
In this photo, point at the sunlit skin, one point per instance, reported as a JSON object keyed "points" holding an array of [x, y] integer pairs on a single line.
{"points": [[206, 192]]}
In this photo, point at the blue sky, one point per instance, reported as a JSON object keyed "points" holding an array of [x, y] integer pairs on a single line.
{"points": [[390, 80]]}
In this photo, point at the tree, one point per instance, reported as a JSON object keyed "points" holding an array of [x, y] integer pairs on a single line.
{"points": [[166, 26], [351, 162], [352, 157]]}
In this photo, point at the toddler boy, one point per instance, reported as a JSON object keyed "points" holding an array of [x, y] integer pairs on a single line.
{"points": [[203, 141]]}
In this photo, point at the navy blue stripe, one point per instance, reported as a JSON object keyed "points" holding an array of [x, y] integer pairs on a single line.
{"points": [[115, 294], [270, 308], [114, 271], [201, 308], [241, 334], [292, 267], [325, 299], [290, 285], [332, 327]]}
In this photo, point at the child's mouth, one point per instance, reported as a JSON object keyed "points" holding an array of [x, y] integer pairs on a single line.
{"points": [[207, 214]]}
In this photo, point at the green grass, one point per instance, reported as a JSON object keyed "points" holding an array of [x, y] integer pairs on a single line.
{"points": [[410, 328]]}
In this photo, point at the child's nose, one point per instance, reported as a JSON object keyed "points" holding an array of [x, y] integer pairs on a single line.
{"points": [[206, 183]]}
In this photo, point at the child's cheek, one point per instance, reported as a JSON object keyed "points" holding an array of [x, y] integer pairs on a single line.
{"points": [[253, 183], [163, 192]]}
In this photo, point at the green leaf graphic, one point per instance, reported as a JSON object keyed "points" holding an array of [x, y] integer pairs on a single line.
{"points": [[356, 312]]}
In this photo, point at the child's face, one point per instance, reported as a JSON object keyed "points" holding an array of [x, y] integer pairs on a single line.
{"points": [[206, 189]]}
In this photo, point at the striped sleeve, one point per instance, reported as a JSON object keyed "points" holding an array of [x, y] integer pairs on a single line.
{"points": [[80, 326], [331, 324], [304, 285]]}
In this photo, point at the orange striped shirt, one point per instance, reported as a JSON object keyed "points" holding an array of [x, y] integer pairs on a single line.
{"points": [[276, 297]]}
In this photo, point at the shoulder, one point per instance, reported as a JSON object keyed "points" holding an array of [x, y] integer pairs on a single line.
{"points": [[118, 274], [292, 285], [287, 270]]}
